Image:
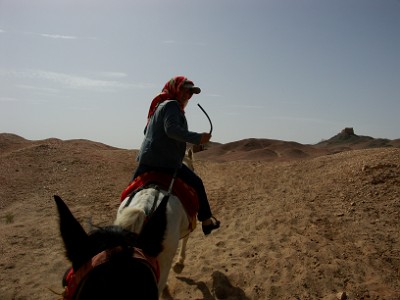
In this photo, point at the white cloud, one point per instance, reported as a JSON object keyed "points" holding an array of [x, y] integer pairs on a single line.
{"points": [[36, 88], [77, 82], [1, 31], [113, 74], [73, 81], [58, 36], [8, 99]]}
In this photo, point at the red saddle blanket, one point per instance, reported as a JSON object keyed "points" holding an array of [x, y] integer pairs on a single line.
{"points": [[186, 193]]}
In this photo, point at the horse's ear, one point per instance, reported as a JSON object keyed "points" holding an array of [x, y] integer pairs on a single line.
{"points": [[75, 238], [152, 235]]}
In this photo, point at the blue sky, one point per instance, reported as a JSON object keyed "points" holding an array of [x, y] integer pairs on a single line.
{"points": [[294, 70]]}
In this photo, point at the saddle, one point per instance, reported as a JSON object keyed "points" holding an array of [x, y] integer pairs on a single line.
{"points": [[186, 193]]}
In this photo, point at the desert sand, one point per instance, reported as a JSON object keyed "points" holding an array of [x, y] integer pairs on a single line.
{"points": [[298, 221]]}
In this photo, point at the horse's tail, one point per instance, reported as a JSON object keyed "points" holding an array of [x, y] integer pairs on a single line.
{"points": [[131, 218]]}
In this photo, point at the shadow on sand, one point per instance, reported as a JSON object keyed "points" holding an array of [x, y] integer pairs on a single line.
{"points": [[221, 288]]}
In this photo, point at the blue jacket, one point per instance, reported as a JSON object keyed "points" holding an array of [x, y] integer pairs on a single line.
{"points": [[166, 135]]}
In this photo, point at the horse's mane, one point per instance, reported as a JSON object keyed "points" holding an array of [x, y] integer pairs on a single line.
{"points": [[102, 238]]}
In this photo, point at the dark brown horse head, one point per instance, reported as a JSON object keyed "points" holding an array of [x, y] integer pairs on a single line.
{"points": [[110, 262]]}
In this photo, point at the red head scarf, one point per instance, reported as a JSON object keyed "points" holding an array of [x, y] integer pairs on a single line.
{"points": [[170, 91]]}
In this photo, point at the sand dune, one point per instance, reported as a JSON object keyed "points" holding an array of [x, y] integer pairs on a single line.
{"points": [[298, 221]]}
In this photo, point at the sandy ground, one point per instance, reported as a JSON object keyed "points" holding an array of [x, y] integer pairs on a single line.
{"points": [[298, 222]]}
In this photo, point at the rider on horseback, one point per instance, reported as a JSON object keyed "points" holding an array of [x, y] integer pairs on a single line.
{"points": [[164, 144]]}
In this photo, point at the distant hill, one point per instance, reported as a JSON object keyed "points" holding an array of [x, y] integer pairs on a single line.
{"points": [[347, 139], [246, 149], [277, 150], [11, 142], [260, 149]]}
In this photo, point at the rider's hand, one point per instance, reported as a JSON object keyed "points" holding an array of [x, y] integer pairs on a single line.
{"points": [[205, 138], [197, 148]]}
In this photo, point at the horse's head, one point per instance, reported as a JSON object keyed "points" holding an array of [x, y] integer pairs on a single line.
{"points": [[111, 261]]}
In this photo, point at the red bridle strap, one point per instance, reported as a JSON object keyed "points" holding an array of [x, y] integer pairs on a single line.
{"points": [[73, 278]]}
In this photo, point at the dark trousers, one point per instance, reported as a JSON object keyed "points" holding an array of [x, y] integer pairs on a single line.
{"points": [[191, 178]]}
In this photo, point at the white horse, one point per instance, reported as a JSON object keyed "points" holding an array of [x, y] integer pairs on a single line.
{"points": [[131, 215]]}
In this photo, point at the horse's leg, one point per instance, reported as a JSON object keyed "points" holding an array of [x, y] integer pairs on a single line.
{"points": [[177, 225], [180, 263], [165, 260]]}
